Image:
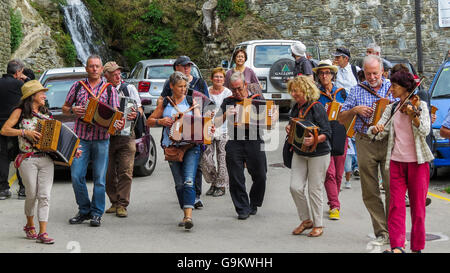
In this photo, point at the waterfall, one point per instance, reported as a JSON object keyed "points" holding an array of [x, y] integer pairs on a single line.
{"points": [[86, 40]]}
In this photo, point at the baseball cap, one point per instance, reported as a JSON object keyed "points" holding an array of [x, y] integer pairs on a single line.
{"points": [[341, 51], [182, 60], [111, 67]]}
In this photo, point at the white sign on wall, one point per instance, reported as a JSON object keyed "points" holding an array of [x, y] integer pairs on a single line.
{"points": [[444, 13]]}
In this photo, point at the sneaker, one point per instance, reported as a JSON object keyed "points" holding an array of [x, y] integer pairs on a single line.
{"points": [[79, 218], [21, 194], [95, 221], [348, 185], [198, 204], [5, 194], [253, 210], [334, 214], [427, 202], [112, 209], [356, 172], [121, 212], [381, 240], [211, 190]]}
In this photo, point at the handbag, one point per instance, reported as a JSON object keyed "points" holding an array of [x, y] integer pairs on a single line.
{"points": [[338, 137], [176, 153], [139, 126]]}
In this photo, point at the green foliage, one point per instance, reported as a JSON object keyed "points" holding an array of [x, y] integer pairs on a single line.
{"points": [[447, 190], [161, 43], [16, 29], [69, 51], [224, 8], [235, 8], [154, 14]]}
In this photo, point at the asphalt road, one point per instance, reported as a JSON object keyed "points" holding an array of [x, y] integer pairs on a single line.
{"points": [[154, 214]]}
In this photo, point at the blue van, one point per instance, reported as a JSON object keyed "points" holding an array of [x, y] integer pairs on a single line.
{"points": [[439, 93]]}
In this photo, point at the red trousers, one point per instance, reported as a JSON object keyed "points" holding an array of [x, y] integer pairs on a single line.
{"points": [[333, 178], [415, 178]]}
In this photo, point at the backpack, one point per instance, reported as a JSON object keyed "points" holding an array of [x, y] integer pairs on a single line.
{"points": [[355, 73]]}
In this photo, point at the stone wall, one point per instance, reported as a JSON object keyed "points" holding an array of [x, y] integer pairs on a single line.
{"points": [[5, 39], [355, 24]]}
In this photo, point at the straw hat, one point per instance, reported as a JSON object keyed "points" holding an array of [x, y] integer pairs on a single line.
{"points": [[325, 64], [32, 87]]}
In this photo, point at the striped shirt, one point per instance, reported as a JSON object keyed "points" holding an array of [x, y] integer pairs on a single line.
{"points": [[360, 96], [85, 130]]}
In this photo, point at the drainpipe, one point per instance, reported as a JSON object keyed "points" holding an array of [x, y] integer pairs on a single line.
{"points": [[417, 13]]}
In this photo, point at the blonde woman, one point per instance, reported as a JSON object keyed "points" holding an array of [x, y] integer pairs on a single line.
{"points": [[308, 169]]}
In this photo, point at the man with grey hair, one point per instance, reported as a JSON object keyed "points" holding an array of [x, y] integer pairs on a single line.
{"points": [[244, 147], [347, 75], [373, 154], [10, 86], [373, 49]]}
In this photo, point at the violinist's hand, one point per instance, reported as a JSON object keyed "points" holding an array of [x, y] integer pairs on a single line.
{"points": [[378, 129], [309, 140], [410, 111]]}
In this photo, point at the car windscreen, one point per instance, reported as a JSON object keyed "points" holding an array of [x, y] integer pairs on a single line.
{"points": [[57, 91], [164, 72], [442, 86], [266, 55]]}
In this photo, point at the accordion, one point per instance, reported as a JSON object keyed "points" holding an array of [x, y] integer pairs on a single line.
{"points": [[301, 129], [58, 140], [101, 114], [350, 127], [127, 105], [192, 129], [333, 108], [256, 113], [433, 109], [378, 109]]}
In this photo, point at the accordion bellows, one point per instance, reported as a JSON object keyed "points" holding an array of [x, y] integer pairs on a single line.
{"points": [[58, 140], [101, 114], [301, 129], [255, 112], [191, 129]]}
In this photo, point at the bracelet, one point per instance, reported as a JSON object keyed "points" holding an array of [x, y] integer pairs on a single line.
{"points": [[157, 121], [23, 132]]}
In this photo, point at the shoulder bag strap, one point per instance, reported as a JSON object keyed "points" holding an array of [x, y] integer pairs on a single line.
{"points": [[303, 114], [367, 88]]}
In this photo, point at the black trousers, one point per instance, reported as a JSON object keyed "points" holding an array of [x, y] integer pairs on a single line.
{"points": [[4, 164], [248, 152]]}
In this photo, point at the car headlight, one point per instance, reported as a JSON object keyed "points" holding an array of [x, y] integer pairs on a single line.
{"points": [[437, 134]]}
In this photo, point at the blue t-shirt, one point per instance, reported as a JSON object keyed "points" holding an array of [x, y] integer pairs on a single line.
{"points": [[340, 97], [446, 122], [169, 111]]}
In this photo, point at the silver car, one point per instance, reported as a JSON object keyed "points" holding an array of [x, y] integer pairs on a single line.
{"points": [[149, 77]]}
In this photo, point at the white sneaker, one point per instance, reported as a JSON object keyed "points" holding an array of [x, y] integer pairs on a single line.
{"points": [[381, 240], [348, 185]]}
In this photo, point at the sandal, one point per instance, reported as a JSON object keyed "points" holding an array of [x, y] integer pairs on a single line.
{"points": [[29, 232], [188, 224], [392, 250], [307, 224], [44, 239], [316, 232]]}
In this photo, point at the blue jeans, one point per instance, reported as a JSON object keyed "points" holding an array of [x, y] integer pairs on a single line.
{"points": [[184, 176], [95, 151]]}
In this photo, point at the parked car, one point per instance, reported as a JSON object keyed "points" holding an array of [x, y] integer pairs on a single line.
{"points": [[59, 81], [273, 64], [439, 93], [149, 77]]}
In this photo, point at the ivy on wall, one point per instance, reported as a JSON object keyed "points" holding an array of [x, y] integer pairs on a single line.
{"points": [[16, 29], [235, 8]]}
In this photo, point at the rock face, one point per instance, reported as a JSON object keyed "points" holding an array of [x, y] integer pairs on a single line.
{"points": [[5, 36], [355, 24], [38, 49]]}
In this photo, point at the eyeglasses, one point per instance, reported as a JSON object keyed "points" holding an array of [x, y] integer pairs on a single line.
{"points": [[240, 88]]}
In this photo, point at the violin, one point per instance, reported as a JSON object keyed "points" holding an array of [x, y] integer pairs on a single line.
{"points": [[414, 101]]}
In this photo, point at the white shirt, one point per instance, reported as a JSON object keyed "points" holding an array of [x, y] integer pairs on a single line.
{"points": [[218, 99], [345, 78], [133, 93]]}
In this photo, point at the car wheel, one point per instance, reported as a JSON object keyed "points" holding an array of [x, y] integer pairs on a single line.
{"points": [[148, 167]]}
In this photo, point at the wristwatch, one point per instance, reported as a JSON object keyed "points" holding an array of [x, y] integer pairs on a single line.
{"points": [[71, 111]]}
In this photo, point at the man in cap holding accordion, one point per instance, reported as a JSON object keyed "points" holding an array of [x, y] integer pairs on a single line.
{"points": [[122, 147]]}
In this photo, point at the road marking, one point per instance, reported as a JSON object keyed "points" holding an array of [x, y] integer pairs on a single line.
{"points": [[438, 196]]}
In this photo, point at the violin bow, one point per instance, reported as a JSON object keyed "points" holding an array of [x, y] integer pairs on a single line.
{"points": [[401, 105]]}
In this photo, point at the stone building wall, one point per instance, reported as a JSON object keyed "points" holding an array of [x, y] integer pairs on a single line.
{"points": [[355, 24], [5, 36]]}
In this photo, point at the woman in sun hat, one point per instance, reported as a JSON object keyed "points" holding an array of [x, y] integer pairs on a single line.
{"points": [[37, 167]]}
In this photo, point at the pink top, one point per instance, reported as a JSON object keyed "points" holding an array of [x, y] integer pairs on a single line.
{"points": [[404, 149]]}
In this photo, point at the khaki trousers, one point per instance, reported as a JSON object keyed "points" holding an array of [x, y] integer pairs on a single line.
{"points": [[120, 169], [309, 172], [371, 158], [37, 176]]}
